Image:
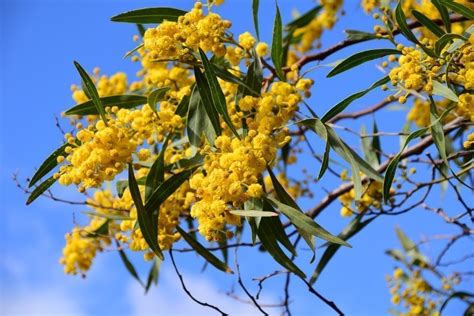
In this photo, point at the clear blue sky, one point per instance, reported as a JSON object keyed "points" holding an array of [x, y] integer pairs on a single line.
{"points": [[39, 40]]}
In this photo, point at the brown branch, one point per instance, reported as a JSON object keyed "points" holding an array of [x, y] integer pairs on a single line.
{"points": [[346, 43]]}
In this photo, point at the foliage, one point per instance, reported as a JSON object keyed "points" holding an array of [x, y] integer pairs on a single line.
{"points": [[199, 146]]}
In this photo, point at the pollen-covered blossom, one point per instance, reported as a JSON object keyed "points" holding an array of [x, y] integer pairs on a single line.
{"points": [[415, 71], [104, 150], [232, 171], [81, 247], [323, 21], [116, 84], [171, 40], [413, 294], [371, 198]]}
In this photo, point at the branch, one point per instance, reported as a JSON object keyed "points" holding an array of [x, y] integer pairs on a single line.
{"points": [[346, 43], [414, 150], [188, 292]]}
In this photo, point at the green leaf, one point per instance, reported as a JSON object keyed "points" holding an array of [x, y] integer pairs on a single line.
{"points": [[253, 204], [444, 14], [304, 222], [164, 190], [45, 185], [253, 80], [407, 243], [269, 242], [205, 96], [156, 96], [141, 30], [341, 106], [198, 121], [304, 19], [156, 175], [153, 274], [253, 213], [459, 8], [120, 186], [444, 40], [342, 149], [91, 90], [129, 265], [149, 15], [277, 45], [354, 35], [319, 128], [369, 152], [376, 145], [443, 91], [49, 164], [403, 25], [437, 133], [255, 5], [147, 220], [360, 58], [392, 166], [428, 23], [354, 227], [122, 101], [206, 254], [285, 197], [217, 96], [182, 108]]}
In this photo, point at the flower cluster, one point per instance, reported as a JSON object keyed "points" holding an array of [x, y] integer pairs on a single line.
{"points": [[82, 244], [232, 171], [413, 293], [171, 40], [323, 21]]}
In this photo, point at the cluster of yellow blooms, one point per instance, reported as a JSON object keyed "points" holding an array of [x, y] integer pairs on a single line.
{"points": [[82, 245], [413, 292], [323, 21], [116, 84], [231, 172], [371, 197], [415, 71], [104, 149], [172, 40]]}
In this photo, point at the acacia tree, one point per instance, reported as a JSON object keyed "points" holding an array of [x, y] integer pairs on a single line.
{"points": [[198, 147]]}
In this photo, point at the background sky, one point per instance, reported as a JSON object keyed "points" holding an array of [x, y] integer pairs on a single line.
{"points": [[39, 40]]}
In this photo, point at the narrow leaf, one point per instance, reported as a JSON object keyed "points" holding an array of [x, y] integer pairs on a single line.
{"points": [[341, 106], [91, 90], [147, 220], [149, 15], [122, 101], [48, 164], [129, 265], [304, 19], [428, 23], [206, 97], [360, 58], [444, 14], [443, 91], [277, 45], [253, 213], [45, 185], [255, 5], [459, 8], [303, 221], [206, 254], [217, 96], [156, 96]]}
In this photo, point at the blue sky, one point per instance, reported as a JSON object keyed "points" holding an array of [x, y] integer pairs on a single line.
{"points": [[40, 39]]}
